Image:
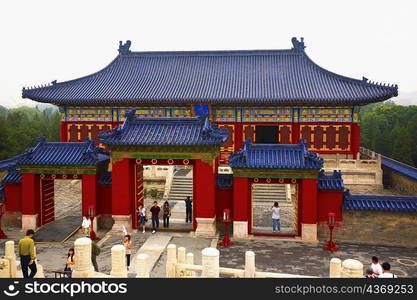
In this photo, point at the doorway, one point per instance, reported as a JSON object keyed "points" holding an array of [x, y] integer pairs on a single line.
{"points": [[266, 134]]}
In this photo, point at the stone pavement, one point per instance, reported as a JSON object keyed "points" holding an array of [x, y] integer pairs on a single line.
{"points": [[294, 257]]}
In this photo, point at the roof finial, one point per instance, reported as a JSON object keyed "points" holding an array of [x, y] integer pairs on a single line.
{"points": [[124, 48], [298, 45]]}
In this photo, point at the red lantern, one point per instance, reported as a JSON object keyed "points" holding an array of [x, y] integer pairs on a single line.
{"points": [[92, 213], [226, 220], [331, 222]]}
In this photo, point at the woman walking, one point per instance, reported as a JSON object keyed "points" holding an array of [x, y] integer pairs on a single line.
{"points": [[276, 226], [128, 246], [167, 213], [142, 217]]}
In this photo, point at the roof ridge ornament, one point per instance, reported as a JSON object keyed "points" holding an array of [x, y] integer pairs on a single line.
{"points": [[124, 48], [298, 44]]}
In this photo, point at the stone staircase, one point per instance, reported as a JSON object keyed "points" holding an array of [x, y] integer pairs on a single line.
{"points": [[264, 196], [182, 186]]}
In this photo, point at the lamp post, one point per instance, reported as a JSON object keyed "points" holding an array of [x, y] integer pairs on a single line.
{"points": [[331, 222], [226, 220], [2, 211], [92, 214]]}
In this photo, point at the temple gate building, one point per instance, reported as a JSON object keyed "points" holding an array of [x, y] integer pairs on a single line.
{"points": [[267, 117]]}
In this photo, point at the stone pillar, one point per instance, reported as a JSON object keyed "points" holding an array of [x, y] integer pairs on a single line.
{"points": [[352, 268], [10, 255], [142, 270], [250, 264], [210, 259], [118, 261], [190, 261], [309, 233], [4, 268], [171, 261], [181, 255], [83, 267], [335, 268]]}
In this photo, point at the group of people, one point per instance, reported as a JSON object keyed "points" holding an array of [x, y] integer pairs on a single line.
{"points": [[379, 271], [155, 211]]}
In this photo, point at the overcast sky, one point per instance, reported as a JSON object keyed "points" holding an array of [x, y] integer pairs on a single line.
{"points": [[46, 40]]}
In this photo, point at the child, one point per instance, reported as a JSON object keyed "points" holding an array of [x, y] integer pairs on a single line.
{"points": [[128, 246]]}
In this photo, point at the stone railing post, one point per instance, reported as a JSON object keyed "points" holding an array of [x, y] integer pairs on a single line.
{"points": [[181, 255], [10, 255], [171, 261], [83, 267], [118, 261], [210, 263], [249, 264], [142, 270], [352, 268], [335, 268], [190, 261]]}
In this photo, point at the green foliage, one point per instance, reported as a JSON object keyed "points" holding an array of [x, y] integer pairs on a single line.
{"points": [[391, 130], [21, 127], [153, 193]]}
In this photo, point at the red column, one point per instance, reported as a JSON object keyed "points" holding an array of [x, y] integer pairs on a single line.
{"points": [[89, 192], [121, 188], [30, 194], [64, 132], [204, 190], [241, 199], [309, 201], [295, 133], [355, 139], [238, 136]]}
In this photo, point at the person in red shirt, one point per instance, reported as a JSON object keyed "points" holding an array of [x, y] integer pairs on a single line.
{"points": [[155, 209]]}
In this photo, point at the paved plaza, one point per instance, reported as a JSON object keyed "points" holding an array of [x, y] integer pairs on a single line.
{"points": [[272, 255]]}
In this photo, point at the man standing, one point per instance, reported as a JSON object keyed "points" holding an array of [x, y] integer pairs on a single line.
{"points": [[387, 271], [188, 209], [27, 254], [155, 209]]}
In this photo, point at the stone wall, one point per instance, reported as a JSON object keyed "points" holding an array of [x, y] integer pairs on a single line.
{"points": [[401, 183], [375, 227]]}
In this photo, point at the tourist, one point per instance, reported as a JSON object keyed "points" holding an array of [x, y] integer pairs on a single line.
{"points": [[375, 266], [128, 246], [155, 209], [188, 209], [369, 273], [142, 217], [387, 271], [70, 262], [276, 226], [86, 225], [27, 254], [167, 213], [95, 251]]}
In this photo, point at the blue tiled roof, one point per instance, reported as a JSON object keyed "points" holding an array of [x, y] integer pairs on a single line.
{"points": [[224, 180], [106, 178], [275, 156], [63, 154], [332, 181], [5, 164], [139, 131], [13, 176], [380, 203], [249, 76], [399, 167]]}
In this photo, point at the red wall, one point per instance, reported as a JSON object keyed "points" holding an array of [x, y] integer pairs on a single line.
{"points": [[122, 187], [204, 190], [330, 201], [13, 197], [308, 201]]}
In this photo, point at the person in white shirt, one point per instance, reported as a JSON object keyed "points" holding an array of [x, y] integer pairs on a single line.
{"points": [[375, 266], [86, 225], [276, 226], [387, 271]]}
